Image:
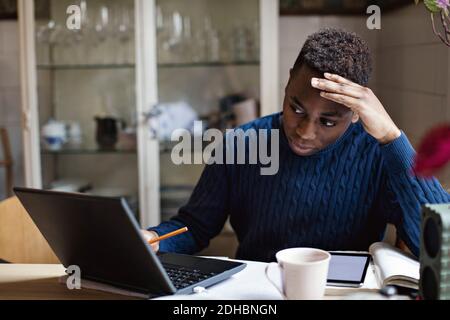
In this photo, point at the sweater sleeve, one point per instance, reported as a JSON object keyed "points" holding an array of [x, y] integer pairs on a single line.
{"points": [[405, 192], [204, 214]]}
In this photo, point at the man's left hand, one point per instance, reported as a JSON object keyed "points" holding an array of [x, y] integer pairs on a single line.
{"points": [[363, 102]]}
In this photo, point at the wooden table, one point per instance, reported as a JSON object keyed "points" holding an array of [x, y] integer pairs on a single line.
{"points": [[40, 282]]}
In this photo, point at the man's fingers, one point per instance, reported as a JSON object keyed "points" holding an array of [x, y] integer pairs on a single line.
{"points": [[149, 235], [155, 246], [334, 87], [339, 79], [350, 102]]}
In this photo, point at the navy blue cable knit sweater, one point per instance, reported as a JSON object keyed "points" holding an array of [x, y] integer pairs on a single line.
{"points": [[340, 198]]}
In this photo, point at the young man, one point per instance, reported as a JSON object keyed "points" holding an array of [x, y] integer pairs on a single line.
{"points": [[344, 168]]}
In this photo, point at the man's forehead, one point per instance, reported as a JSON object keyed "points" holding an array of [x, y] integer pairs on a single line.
{"points": [[337, 108], [305, 73]]}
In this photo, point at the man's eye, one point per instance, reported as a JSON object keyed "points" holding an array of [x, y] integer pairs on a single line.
{"points": [[327, 123], [297, 110]]}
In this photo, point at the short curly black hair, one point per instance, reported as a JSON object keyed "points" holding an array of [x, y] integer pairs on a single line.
{"points": [[337, 51]]}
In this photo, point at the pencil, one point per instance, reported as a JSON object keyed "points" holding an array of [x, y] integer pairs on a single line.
{"points": [[168, 235]]}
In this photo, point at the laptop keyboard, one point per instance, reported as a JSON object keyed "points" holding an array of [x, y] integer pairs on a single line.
{"points": [[182, 277]]}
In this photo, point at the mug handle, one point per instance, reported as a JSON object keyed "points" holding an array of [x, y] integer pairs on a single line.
{"points": [[271, 281]]}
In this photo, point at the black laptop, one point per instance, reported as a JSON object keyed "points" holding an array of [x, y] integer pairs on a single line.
{"points": [[102, 237]]}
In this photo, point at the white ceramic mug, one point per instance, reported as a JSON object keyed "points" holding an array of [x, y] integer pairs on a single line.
{"points": [[304, 273]]}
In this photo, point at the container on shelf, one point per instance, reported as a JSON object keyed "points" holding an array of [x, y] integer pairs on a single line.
{"points": [[54, 135]]}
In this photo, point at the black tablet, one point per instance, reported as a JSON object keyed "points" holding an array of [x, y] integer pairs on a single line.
{"points": [[347, 269]]}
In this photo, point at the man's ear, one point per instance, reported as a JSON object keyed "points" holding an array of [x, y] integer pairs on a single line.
{"points": [[355, 117]]}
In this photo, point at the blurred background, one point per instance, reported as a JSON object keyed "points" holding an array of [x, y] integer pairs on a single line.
{"points": [[209, 58]]}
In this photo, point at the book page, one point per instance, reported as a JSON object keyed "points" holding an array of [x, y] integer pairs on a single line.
{"points": [[394, 266]]}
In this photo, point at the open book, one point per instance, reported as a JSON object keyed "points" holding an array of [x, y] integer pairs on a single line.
{"points": [[394, 267], [390, 266]]}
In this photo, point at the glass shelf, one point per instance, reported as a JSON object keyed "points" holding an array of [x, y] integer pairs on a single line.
{"points": [[86, 151], [208, 64], [132, 66], [84, 66], [165, 147]]}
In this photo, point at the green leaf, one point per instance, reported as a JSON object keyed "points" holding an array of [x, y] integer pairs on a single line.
{"points": [[432, 6]]}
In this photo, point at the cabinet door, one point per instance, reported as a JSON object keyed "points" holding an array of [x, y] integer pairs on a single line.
{"points": [[83, 129], [147, 98], [207, 60]]}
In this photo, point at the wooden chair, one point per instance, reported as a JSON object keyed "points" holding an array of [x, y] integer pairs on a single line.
{"points": [[7, 162], [20, 239]]}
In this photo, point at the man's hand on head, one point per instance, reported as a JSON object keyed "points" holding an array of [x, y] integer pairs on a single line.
{"points": [[363, 102]]}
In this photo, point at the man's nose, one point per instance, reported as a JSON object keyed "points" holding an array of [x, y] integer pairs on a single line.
{"points": [[306, 130]]}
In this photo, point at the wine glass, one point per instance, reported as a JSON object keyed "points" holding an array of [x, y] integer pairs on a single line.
{"points": [[43, 37], [102, 23], [50, 36], [76, 38], [123, 25], [99, 33]]}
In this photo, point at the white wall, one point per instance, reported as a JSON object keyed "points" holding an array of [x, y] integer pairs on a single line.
{"points": [[411, 66], [413, 73], [10, 98]]}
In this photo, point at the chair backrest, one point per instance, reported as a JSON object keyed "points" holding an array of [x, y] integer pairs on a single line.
{"points": [[20, 239], [392, 238], [7, 161]]}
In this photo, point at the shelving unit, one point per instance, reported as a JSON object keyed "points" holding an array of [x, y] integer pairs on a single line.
{"points": [[135, 79], [79, 78], [208, 64], [85, 67], [87, 152], [161, 66]]}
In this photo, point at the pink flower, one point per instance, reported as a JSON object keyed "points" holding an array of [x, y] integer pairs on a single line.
{"points": [[442, 3], [433, 152]]}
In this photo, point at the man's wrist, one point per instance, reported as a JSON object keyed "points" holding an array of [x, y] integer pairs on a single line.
{"points": [[153, 232], [391, 136], [398, 155]]}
